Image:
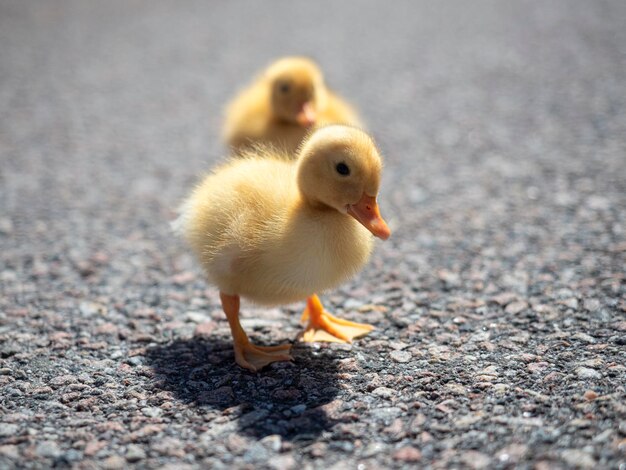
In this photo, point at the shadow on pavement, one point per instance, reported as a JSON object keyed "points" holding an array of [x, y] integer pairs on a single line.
{"points": [[285, 398]]}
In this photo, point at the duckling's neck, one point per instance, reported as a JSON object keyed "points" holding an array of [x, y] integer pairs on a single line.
{"points": [[283, 121], [314, 205]]}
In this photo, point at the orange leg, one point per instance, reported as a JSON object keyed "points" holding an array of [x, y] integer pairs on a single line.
{"points": [[325, 327], [247, 355]]}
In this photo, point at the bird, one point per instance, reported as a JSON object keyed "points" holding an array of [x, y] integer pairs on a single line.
{"points": [[283, 104], [275, 230]]}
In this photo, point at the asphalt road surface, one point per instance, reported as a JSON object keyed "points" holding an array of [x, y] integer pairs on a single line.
{"points": [[499, 301]]}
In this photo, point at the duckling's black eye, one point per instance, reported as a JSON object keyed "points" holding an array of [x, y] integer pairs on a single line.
{"points": [[284, 87], [342, 169]]}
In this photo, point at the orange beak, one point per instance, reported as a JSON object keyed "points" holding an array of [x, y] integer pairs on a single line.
{"points": [[367, 214], [306, 116]]}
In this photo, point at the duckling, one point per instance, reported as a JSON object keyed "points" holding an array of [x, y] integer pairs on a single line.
{"points": [[283, 105], [276, 231]]}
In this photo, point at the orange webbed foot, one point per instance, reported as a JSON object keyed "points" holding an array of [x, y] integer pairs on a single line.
{"points": [[254, 358], [325, 327], [247, 355]]}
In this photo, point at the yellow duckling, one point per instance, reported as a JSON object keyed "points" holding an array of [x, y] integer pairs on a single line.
{"points": [[283, 105], [275, 231]]}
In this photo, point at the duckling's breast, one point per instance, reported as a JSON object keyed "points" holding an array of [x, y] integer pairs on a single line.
{"points": [[314, 254]]}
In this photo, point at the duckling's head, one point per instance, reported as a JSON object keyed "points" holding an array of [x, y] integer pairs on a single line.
{"points": [[297, 90], [339, 167]]}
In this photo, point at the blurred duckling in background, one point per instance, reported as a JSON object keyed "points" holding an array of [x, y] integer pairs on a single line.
{"points": [[275, 230], [282, 105]]}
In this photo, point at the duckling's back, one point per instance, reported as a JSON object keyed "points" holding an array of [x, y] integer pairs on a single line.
{"points": [[246, 117], [233, 209], [338, 111]]}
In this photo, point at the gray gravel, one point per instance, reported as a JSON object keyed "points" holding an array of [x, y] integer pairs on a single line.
{"points": [[500, 301]]}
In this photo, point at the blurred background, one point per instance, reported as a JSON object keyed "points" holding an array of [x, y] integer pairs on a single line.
{"points": [[503, 126]]}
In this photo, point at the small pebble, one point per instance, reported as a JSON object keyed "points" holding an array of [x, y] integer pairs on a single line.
{"points": [[257, 452], [587, 373], [584, 337], [537, 366], [8, 430], [400, 356], [571, 303], [134, 453], [114, 462], [516, 307], [10, 451], [590, 395], [272, 442], [48, 449], [407, 454], [384, 392], [578, 459], [152, 412]]}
